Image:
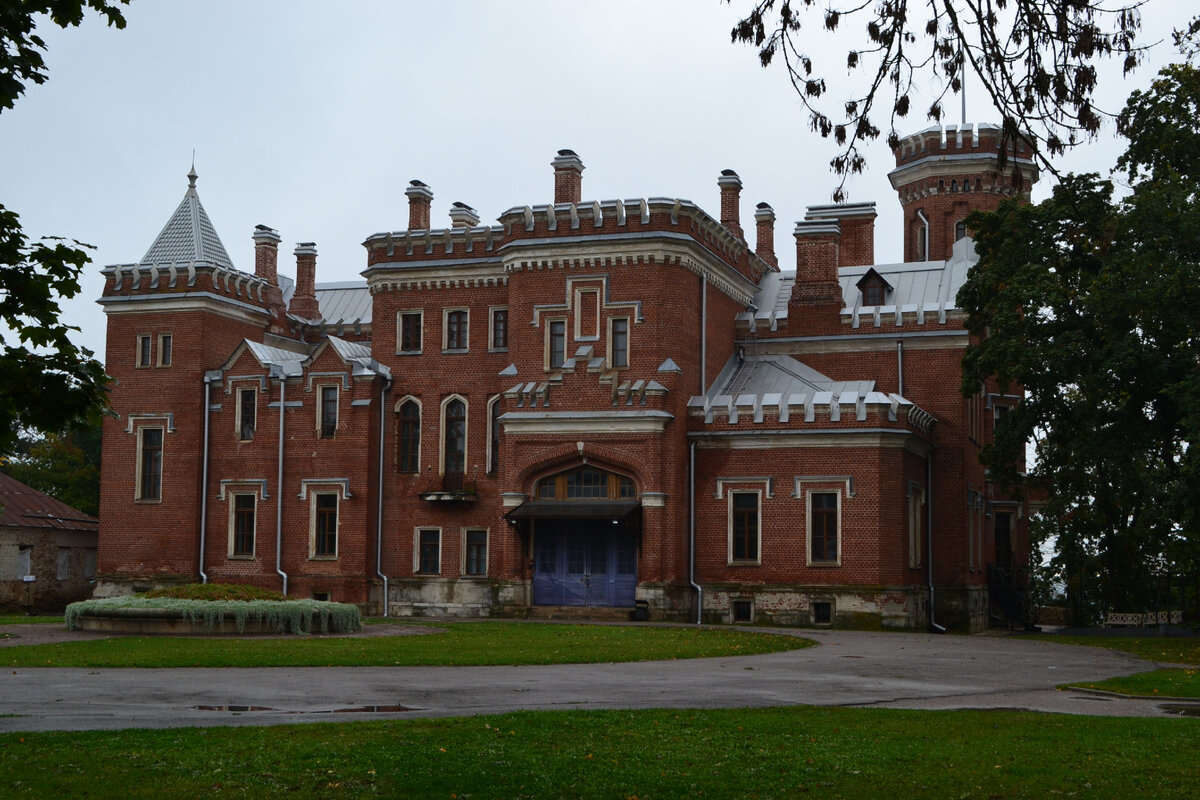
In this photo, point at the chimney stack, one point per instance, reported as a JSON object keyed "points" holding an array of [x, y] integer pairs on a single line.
{"points": [[856, 221], [304, 298], [568, 177], [764, 218], [463, 216], [419, 198], [266, 253], [731, 190]]}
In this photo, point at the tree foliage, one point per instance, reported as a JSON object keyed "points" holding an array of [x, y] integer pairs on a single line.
{"points": [[46, 381], [1094, 307], [1036, 60], [65, 466]]}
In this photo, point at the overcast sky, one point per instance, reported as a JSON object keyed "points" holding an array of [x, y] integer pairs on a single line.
{"points": [[311, 117]]}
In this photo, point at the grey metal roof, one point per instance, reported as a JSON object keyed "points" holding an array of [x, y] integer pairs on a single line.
{"points": [[344, 302], [189, 235], [290, 363], [358, 355], [778, 374]]}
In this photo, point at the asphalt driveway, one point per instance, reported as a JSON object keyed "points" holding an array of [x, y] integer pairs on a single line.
{"points": [[853, 669]]}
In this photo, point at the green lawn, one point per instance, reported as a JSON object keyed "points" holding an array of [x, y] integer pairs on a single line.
{"points": [[460, 644], [761, 753], [1160, 682], [20, 620]]}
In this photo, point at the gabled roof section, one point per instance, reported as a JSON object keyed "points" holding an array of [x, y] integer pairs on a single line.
{"points": [[189, 235], [22, 506], [356, 355], [770, 374], [288, 363]]}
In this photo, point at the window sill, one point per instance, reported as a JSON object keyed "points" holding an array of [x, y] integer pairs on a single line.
{"points": [[824, 564], [241, 557], [744, 564], [497, 349], [409, 352], [455, 350], [144, 502], [322, 558]]}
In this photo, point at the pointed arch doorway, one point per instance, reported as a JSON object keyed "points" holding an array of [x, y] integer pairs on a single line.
{"points": [[585, 527]]}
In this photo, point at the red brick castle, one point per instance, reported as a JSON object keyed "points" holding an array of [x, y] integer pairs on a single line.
{"points": [[599, 404]]}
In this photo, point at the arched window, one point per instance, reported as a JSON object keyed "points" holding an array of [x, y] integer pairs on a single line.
{"points": [[960, 230], [494, 435], [408, 436], [586, 483], [454, 428], [954, 185]]}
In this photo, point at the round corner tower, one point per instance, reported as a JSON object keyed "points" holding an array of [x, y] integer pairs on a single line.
{"points": [[943, 174]]}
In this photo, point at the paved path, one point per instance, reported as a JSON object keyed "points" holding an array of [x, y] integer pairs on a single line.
{"points": [[848, 669]]}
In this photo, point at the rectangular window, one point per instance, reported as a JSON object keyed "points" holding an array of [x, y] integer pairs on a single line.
{"points": [[144, 348], [64, 563], [247, 412], [325, 525], [476, 552], [328, 412], [242, 542], [618, 340], [408, 437], [429, 551], [150, 464], [494, 436], [456, 330], [743, 527], [89, 563], [556, 343], [24, 560], [916, 524], [410, 332], [164, 350], [823, 527], [499, 329]]}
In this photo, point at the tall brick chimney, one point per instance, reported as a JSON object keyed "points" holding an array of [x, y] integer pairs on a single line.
{"points": [[420, 197], [266, 253], [764, 219], [856, 221], [818, 244], [568, 177], [304, 298], [731, 191], [463, 216]]}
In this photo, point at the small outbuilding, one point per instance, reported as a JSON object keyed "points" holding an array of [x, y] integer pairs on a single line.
{"points": [[47, 550]]}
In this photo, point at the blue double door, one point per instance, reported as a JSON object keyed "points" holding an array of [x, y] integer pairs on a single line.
{"points": [[584, 562]]}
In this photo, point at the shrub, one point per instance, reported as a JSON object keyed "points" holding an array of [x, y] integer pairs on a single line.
{"points": [[291, 616], [216, 591]]}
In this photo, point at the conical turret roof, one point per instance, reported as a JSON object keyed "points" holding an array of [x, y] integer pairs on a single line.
{"points": [[189, 235]]}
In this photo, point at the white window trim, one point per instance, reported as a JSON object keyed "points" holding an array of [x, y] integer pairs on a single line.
{"points": [[137, 492], [400, 331], [320, 392], [420, 425], [237, 421], [487, 550], [580, 298], [417, 549], [808, 495], [757, 561], [628, 337], [233, 526], [446, 330], [158, 358], [546, 349], [492, 348], [442, 433], [490, 433], [916, 523], [313, 494], [137, 353]]}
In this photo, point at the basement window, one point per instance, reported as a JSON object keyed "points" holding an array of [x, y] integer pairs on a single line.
{"points": [[743, 610], [822, 613]]}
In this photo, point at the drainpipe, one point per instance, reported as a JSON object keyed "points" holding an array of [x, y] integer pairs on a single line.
{"points": [[692, 532], [900, 367], [209, 378], [279, 489], [933, 626], [379, 499], [703, 332]]}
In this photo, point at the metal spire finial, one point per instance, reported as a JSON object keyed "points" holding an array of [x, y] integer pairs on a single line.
{"points": [[192, 172]]}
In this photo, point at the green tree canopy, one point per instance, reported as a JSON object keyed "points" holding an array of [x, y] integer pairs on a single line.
{"points": [[1093, 306], [46, 382]]}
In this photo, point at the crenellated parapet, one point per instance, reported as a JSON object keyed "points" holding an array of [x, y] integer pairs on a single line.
{"points": [[184, 277]]}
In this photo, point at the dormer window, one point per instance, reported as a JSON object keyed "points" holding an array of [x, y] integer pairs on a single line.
{"points": [[874, 289]]}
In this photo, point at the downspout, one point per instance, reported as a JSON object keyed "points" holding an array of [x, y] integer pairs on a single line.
{"points": [[933, 626], [924, 233], [900, 367], [379, 497], [279, 489], [692, 532], [703, 333], [209, 377]]}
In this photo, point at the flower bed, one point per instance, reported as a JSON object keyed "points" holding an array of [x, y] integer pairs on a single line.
{"points": [[141, 614]]}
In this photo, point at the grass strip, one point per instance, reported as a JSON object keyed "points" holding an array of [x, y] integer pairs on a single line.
{"points": [[1171, 650], [744, 753], [1160, 682], [22, 620], [460, 644]]}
